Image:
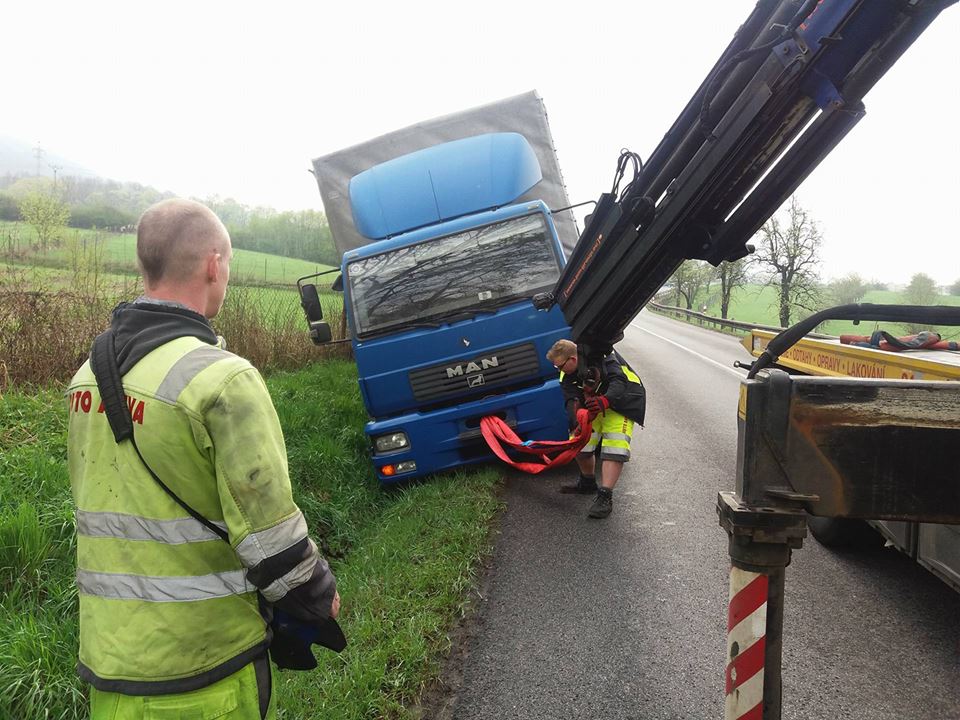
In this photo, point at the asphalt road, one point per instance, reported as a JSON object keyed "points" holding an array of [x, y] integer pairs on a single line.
{"points": [[626, 617]]}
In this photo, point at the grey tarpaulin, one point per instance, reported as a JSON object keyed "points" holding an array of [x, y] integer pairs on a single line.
{"points": [[524, 114]]}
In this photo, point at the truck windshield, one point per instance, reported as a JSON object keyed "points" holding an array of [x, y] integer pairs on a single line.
{"points": [[481, 268]]}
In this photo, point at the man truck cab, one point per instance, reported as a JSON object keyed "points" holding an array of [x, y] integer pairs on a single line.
{"points": [[438, 304]]}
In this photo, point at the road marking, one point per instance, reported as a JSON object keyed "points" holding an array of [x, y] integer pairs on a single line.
{"points": [[732, 371]]}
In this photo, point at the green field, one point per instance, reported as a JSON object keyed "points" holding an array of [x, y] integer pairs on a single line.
{"points": [[117, 252], [759, 304], [278, 306], [73, 287], [404, 558], [52, 279]]}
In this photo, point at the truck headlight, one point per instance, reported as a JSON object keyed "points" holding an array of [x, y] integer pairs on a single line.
{"points": [[391, 442]]}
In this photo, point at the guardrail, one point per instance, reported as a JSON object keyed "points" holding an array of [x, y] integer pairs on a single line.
{"points": [[723, 322]]}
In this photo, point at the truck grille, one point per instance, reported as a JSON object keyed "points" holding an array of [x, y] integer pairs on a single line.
{"points": [[475, 376]]}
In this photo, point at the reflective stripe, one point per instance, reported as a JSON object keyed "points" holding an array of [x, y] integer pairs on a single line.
{"points": [[186, 369], [616, 436], [295, 578], [134, 527], [614, 452], [591, 443], [257, 547], [631, 375], [120, 586]]}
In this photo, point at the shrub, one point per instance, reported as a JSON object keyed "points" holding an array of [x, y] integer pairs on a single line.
{"points": [[100, 216], [46, 213], [45, 334], [9, 210]]}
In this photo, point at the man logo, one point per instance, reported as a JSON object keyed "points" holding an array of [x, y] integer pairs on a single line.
{"points": [[475, 380], [473, 367]]}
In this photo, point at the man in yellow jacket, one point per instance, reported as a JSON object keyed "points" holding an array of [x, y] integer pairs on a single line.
{"points": [[615, 398], [174, 621]]}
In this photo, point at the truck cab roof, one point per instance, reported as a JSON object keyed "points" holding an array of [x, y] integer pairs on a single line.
{"points": [[443, 182]]}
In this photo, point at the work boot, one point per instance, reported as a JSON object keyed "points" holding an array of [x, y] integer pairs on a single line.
{"points": [[602, 504], [581, 486]]}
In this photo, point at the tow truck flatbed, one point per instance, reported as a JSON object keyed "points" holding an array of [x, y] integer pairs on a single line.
{"points": [[936, 547], [822, 356]]}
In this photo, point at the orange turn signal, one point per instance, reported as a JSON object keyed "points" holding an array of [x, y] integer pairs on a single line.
{"points": [[388, 470]]}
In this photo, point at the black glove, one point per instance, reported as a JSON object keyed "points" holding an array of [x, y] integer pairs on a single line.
{"points": [[292, 638]]}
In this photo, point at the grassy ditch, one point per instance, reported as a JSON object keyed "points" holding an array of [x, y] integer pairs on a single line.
{"points": [[403, 558]]}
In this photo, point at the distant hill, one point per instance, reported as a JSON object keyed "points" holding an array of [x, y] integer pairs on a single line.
{"points": [[17, 158], [97, 202]]}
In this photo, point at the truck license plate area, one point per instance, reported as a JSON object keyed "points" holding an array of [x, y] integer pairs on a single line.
{"points": [[470, 427]]}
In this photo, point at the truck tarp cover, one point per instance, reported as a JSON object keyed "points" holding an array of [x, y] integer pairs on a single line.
{"points": [[524, 114]]}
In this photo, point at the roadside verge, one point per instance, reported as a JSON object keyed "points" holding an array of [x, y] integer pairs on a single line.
{"points": [[405, 558]]}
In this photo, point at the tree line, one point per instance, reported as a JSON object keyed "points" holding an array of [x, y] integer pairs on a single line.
{"points": [[82, 202], [786, 257], [303, 234]]}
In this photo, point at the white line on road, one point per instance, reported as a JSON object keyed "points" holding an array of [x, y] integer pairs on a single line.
{"points": [[727, 368]]}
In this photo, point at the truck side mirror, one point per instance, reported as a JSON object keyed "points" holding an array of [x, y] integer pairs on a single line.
{"points": [[310, 302]]}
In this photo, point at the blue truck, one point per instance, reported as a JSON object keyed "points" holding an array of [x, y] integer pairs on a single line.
{"points": [[438, 301]]}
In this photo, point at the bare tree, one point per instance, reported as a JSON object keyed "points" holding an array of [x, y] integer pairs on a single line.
{"points": [[732, 275], [848, 289], [689, 279], [790, 253]]}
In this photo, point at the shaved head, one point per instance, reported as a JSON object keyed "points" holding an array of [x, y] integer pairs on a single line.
{"points": [[175, 237]]}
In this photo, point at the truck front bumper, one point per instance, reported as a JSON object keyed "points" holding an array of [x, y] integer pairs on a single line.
{"points": [[451, 437]]}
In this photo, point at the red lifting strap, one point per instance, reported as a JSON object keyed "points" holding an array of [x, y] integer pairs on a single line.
{"points": [[550, 453]]}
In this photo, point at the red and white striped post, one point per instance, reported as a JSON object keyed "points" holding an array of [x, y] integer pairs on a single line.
{"points": [[746, 645], [760, 547]]}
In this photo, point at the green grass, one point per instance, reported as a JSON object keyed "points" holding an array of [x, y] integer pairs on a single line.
{"points": [[756, 303], [404, 558], [119, 254], [58, 278], [37, 598]]}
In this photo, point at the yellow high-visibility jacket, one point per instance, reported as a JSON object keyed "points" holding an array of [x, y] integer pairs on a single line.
{"points": [[165, 605]]}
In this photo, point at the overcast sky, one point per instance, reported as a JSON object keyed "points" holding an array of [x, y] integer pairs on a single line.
{"points": [[235, 98]]}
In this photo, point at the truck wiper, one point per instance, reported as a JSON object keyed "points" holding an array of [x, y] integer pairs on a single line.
{"points": [[481, 308], [488, 307], [399, 327]]}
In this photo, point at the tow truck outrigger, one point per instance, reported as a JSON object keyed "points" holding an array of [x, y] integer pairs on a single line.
{"points": [[786, 90]]}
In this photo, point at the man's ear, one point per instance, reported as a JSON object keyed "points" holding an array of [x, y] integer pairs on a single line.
{"points": [[213, 267]]}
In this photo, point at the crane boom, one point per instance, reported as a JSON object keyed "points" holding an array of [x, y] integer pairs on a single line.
{"points": [[783, 94]]}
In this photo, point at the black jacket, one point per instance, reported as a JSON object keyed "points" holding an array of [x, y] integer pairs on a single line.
{"points": [[627, 395]]}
